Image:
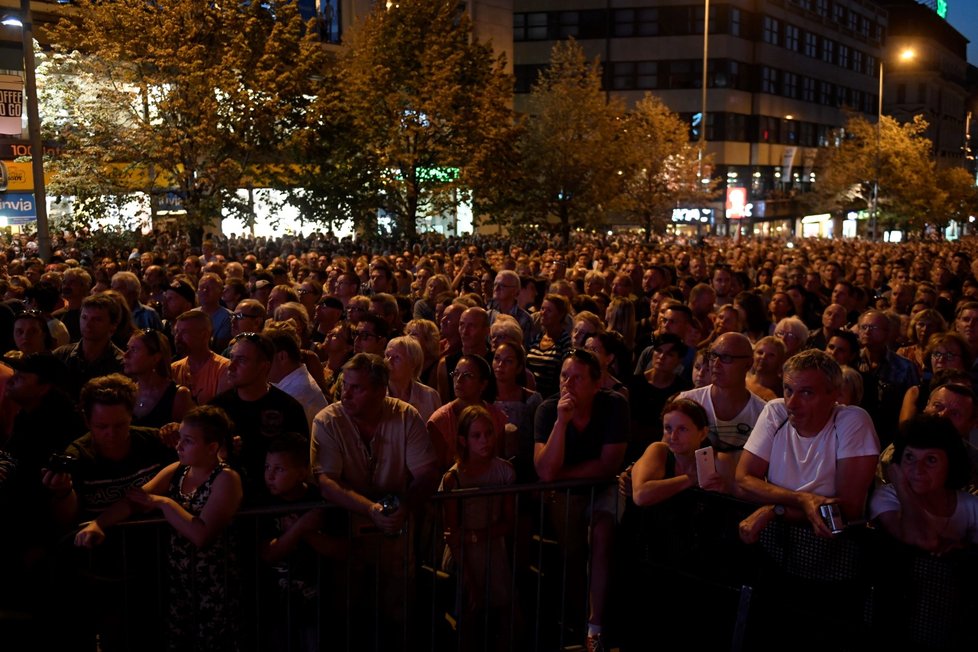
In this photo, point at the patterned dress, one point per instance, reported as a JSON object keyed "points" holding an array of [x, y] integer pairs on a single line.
{"points": [[203, 581]]}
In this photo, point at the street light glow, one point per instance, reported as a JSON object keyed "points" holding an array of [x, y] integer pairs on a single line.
{"points": [[907, 54]]}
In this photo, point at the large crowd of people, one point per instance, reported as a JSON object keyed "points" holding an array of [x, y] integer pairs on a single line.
{"points": [[828, 382]]}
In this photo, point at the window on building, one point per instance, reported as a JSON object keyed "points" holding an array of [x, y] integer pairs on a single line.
{"points": [[735, 21], [636, 22], [769, 80], [567, 24], [791, 37], [789, 131], [857, 61], [826, 93], [525, 76], [530, 26], [647, 75], [828, 50], [593, 24], [839, 13], [841, 96], [772, 31], [806, 134], [843, 56], [696, 24], [768, 129], [853, 21], [808, 89], [789, 86], [871, 66], [810, 47], [683, 74]]}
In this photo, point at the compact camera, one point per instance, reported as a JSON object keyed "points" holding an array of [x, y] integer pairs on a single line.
{"points": [[62, 463], [389, 504]]}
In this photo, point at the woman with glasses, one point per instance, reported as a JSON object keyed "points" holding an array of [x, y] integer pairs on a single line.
{"points": [[793, 332], [474, 385], [946, 353], [159, 400], [356, 308]]}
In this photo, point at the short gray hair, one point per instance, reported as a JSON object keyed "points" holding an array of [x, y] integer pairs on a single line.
{"points": [[814, 359]]}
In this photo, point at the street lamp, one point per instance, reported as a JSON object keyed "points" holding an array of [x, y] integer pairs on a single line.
{"points": [[907, 54], [25, 22]]}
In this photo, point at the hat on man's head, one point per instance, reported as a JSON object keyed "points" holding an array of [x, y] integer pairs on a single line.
{"points": [[47, 367], [184, 289]]}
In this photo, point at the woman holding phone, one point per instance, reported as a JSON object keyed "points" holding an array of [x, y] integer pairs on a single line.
{"points": [[670, 466]]}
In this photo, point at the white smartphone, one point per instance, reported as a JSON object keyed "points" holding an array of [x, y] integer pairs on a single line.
{"points": [[706, 466]]}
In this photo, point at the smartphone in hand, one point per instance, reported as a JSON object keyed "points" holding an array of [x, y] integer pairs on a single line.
{"points": [[706, 466]]}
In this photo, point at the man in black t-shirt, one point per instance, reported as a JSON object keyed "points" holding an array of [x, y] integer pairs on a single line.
{"points": [[259, 411], [582, 434]]}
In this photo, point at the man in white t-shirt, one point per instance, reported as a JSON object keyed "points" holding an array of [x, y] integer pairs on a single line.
{"points": [[806, 450], [731, 408]]}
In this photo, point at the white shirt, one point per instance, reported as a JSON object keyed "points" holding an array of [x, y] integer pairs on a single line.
{"points": [[962, 526], [730, 434], [809, 463], [301, 386]]}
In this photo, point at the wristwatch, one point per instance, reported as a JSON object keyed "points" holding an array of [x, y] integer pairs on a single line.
{"points": [[779, 511]]}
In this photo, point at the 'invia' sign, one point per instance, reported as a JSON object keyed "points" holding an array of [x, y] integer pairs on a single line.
{"points": [[17, 207]]}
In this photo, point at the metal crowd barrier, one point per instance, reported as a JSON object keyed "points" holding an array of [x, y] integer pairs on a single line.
{"points": [[680, 576]]}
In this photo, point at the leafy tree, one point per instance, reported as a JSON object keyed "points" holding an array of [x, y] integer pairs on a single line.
{"points": [[417, 117], [902, 163], [662, 167], [188, 96], [960, 196], [570, 149]]}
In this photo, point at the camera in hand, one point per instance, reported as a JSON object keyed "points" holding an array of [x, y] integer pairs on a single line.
{"points": [[389, 504], [62, 463]]}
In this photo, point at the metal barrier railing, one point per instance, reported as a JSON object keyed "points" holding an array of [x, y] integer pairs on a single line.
{"points": [[672, 564]]}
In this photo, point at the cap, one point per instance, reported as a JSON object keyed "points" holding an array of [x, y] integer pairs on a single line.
{"points": [[47, 367], [184, 289]]}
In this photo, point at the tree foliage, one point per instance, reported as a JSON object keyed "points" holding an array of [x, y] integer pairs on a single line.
{"points": [[902, 162], [662, 169], [417, 118], [188, 96], [960, 196], [569, 150]]}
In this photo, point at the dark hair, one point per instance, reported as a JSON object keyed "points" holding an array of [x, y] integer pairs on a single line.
{"points": [[381, 327], [614, 344], [157, 342], [469, 416], [213, 422], [35, 315], [692, 409], [587, 358], [293, 445], [485, 374], [259, 341], [931, 431], [375, 367], [851, 338], [113, 389]]}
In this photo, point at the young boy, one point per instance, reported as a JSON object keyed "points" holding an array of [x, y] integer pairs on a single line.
{"points": [[292, 540]]}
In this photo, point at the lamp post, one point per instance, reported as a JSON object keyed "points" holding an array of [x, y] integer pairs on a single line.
{"points": [[25, 22], [905, 55]]}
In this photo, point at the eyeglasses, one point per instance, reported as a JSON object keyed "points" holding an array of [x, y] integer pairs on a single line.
{"points": [[784, 335], [457, 375], [868, 328], [945, 355], [237, 316], [725, 358], [365, 335]]}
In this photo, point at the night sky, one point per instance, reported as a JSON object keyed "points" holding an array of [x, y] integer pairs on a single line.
{"points": [[963, 15]]}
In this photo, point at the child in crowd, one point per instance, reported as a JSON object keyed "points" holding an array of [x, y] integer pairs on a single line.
{"points": [[198, 496], [291, 540], [476, 528]]}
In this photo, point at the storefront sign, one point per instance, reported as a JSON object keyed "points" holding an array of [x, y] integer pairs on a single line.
{"points": [[11, 104]]}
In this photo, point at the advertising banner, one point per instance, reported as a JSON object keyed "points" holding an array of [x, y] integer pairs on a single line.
{"points": [[11, 104]]}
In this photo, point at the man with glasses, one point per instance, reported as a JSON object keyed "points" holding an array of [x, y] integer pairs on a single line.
{"points": [[676, 320], [248, 317], [370, 335], [731, 408], [886, 375], [807, 450], [505, 295]]}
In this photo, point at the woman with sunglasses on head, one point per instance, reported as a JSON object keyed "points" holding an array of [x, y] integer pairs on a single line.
{"points": [[159, 400], [474, 385]]}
